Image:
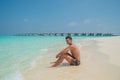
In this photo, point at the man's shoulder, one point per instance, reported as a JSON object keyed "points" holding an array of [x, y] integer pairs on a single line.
{"points": [[73, 46]]}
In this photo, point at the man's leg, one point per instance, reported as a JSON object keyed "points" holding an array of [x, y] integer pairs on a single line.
{"points": [[60, 60]]}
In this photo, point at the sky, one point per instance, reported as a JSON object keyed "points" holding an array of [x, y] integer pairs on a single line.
{"points": [[59, 16]]}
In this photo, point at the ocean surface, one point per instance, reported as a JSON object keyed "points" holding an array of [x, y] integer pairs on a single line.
{"points": [[20, 52]]}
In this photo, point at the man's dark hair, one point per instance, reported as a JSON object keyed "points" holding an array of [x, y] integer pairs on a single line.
{"points": [[68, 37]]}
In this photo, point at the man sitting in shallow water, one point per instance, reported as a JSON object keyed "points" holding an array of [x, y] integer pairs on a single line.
{"points": [[73, 58]]}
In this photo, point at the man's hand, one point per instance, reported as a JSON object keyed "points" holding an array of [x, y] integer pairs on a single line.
{"points": [[57, 55], [63, 52]]}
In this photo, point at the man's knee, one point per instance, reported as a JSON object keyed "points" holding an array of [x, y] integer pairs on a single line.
{"points": [[63, 56]]}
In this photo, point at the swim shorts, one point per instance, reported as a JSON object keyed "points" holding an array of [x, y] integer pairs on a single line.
{"points": [[74, 61]]}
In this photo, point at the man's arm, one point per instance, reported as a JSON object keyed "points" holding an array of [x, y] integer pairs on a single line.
{"points": [[64, 51]]}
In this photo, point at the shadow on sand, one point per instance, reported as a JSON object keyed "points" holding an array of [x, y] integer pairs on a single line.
{"points": [[65, 64]]}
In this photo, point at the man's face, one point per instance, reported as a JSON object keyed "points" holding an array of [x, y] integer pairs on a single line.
{"points": [[68, 41]]}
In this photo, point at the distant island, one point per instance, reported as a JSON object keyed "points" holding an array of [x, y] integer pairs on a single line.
{"points": [[65, 34]]}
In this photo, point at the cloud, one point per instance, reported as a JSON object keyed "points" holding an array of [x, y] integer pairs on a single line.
{"points": [[72, 24], [26, 20], [87, 21]]}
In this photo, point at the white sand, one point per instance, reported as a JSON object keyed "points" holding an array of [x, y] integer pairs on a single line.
{"points": [[100, 60]]}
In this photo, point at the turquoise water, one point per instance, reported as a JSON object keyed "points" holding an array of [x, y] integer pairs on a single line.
{"points": [[17, 52]]}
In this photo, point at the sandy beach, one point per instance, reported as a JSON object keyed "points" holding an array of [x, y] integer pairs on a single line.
{"points": [[100, 60]]}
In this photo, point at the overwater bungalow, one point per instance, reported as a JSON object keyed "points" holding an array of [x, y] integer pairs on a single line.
{"points": [[90, 34]]}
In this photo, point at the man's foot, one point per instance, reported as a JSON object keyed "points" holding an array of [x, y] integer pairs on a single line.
{"points": [[52, 62], [54, 65]]}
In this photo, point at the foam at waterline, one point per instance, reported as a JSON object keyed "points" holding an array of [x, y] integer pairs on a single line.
{"points": [[14, 76], [41, 52], [79, 45], [44, 50], [33, 62]]}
